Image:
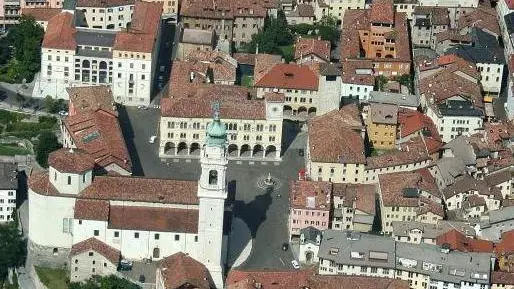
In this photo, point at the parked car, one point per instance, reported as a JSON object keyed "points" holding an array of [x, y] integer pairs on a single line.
{"points": [[142, 107], [285, 246], [301, 152], [125, 265], [63, 113], [295, 264], [152, 139]]}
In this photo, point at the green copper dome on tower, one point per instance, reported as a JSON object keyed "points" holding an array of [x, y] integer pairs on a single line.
{"points": [[216, 131]]}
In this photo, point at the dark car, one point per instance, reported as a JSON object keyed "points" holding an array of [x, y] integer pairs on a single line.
{"points": [[285, 246], [125, 265], [300, 152]]}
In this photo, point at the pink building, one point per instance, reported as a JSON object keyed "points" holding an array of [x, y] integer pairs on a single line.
{"points": [[309, 205]]}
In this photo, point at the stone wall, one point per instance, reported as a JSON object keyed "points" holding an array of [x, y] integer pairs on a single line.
{"points": [[48, 257]]}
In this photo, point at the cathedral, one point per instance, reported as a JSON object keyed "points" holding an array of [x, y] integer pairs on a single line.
{"points": [[93, 223]]}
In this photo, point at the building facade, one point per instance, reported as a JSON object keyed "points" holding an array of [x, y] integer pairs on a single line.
{"points": [[8, 191]]}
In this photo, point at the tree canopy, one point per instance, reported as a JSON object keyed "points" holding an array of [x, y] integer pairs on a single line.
{"points": [[47, 143], [275, 33], [12, 247], [26, 41], [109, 282]]}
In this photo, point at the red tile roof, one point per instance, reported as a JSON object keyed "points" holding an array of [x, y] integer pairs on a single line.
{"points": [[263, 64], [382, 11], [358, 196], [71, 161], [93, 244], [310, 195], [506, 244], [141, 35], [498, 277], [104, 3], [485, 18], [41, 14], [336, 137], [222, 65], [154, 219], [136, 189], [238, 279], [60, 32], [180, 269], [412, 122], [445, 84], [308, 46], [413, 151], [222, 9], [350, 75], [289, 76], [392, 186], [202, 108], [459, 242], [244, 58], [99, 134], [91, 210], [91, 98]]}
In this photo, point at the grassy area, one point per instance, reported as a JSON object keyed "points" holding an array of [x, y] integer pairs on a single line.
{"points": [[13, 124], [247, 81], [287, 52], [53, 278], [13, 149]]}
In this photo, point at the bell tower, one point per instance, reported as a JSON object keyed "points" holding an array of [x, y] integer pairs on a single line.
{"points": [[212, 192]]}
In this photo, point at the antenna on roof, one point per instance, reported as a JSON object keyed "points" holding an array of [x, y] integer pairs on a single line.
{"points": [[216, 110]]}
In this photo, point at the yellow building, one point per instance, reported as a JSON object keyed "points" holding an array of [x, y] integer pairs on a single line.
{"points": [[381, 122]]}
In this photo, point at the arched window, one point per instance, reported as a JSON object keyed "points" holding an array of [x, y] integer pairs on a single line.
{"points": [[213, 177]]}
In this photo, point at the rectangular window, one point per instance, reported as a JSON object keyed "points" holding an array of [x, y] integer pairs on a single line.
{"points": [[69, 180], [177, 237], [96, 232], [136, 235], [116, 234], [156, 236]]}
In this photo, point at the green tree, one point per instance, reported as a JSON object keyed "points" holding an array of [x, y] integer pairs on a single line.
{"points": [[47, 143], [26, 39], [109, 282], [276, 32], [55, 105], [12, 247], [328, 29], [303, 28]]}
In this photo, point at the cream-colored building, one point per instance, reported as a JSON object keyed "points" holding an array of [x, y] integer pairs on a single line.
{"points": [[115, 15], [408, 197], [335, 147], [381, 123], [254, 126], [92, 257]]}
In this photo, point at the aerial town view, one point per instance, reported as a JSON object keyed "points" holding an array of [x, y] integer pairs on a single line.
{"points": [[256, 144]]}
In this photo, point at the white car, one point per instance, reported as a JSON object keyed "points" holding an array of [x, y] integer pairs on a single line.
{"points": [[142, 107], [295, 264], [63, 113], [152, 139]]}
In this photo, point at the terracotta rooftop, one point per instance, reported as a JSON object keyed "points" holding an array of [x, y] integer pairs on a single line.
{"points": [[140, 37], [353, 72], [99, 134], [459, 242], [93, 244], [465, 184], [222, 65], [305, 10], [91, 98], [485, 18], [393, 186], [358, 196], [154, 219], [336, 137], [244, 58], [506, 244], [358, 20], [498, 277], [263, 64], [180, 269], [41, 14], [104, 3], [413, 121], [383, 113], [310, 195], [136, 189], [382, 11], [289, 76], [413, 151], [499, 177], [60, 32], [202, 108], [452, 35], [71, 161], [454, 63], [238, 279], [445, 84], [307, 46], [91, 210], [438, 15], [222, 9]]}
